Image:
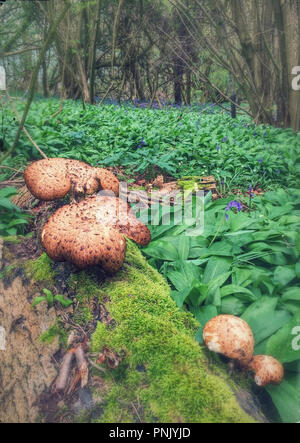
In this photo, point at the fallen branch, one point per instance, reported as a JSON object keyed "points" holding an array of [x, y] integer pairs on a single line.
{"points": [[62, 379], [82, 365]]}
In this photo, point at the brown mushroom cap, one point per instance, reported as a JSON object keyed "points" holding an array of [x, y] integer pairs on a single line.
{"points": [[267, 370], [91, 233], [51, 179], [117, 213], [230, 336], [48, 179]]}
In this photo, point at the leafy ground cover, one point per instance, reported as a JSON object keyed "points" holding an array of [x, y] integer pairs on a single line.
{"points": [[170, 140], [245, 264]]}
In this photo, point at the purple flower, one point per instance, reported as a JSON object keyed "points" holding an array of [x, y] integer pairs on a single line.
{"points": [[224, 139], [227, 216], [260, 160], [234, 204], [141, 144], [218, 148]]}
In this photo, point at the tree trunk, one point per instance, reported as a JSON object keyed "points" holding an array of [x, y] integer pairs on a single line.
{"points": [[27, 366], [45, 79]]}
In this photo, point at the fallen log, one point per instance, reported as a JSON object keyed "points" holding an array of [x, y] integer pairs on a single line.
{"points": [[151, 369]]}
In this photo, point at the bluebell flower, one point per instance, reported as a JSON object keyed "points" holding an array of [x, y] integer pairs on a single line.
{"points": [[227, 216], [260, 160], [218, 148], [234, 204]]}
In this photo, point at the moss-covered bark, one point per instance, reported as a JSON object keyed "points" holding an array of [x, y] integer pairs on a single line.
{"points": [[164, 375]]}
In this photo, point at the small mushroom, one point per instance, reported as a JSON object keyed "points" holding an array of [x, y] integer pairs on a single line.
{"points": [[51, 179], [267, 370], [230, 336], [92, 233]]}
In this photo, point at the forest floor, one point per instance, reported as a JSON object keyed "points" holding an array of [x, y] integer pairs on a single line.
{"points": [[245, 263]]}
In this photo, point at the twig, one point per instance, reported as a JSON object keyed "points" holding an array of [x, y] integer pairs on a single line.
{"points": [[11, 182], [8, 167], [95, 365], [23, 128], [82, 365]]}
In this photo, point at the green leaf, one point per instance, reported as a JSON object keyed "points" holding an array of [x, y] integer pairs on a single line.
{"points": [[286, 398], [215, 267], [63, 300], [233, 289], [184, 274], [263, 319], [161, 249], [8, 192], [283, 275], [203, 315], [49, 296], [180, 296], [183, 247], [233, 306], [38, 300], [285, 344], [291, 294]]}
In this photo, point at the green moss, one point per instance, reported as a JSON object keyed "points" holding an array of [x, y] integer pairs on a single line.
{"points": [[40, 269], [54, 331], [178, 384], [190, 184], [85, 286]]}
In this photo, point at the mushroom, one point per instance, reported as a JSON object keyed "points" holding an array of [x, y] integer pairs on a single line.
{"points": [[51, 179], [267, 370], [230, 336], [48, 179], [92, 233]]}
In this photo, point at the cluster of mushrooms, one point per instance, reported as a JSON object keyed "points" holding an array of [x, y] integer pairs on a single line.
{"points": [[90, 232], [232, 337]]}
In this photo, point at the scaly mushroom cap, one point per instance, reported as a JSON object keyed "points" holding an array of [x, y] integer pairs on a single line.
{"points": [[91, 233], [267, 370], [230, 336], [117, 213], [48, 179], [70, 236], [51, 179], [88, 180]]}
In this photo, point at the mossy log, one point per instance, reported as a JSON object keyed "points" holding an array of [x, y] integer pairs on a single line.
{"points": [[164, 374]]}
